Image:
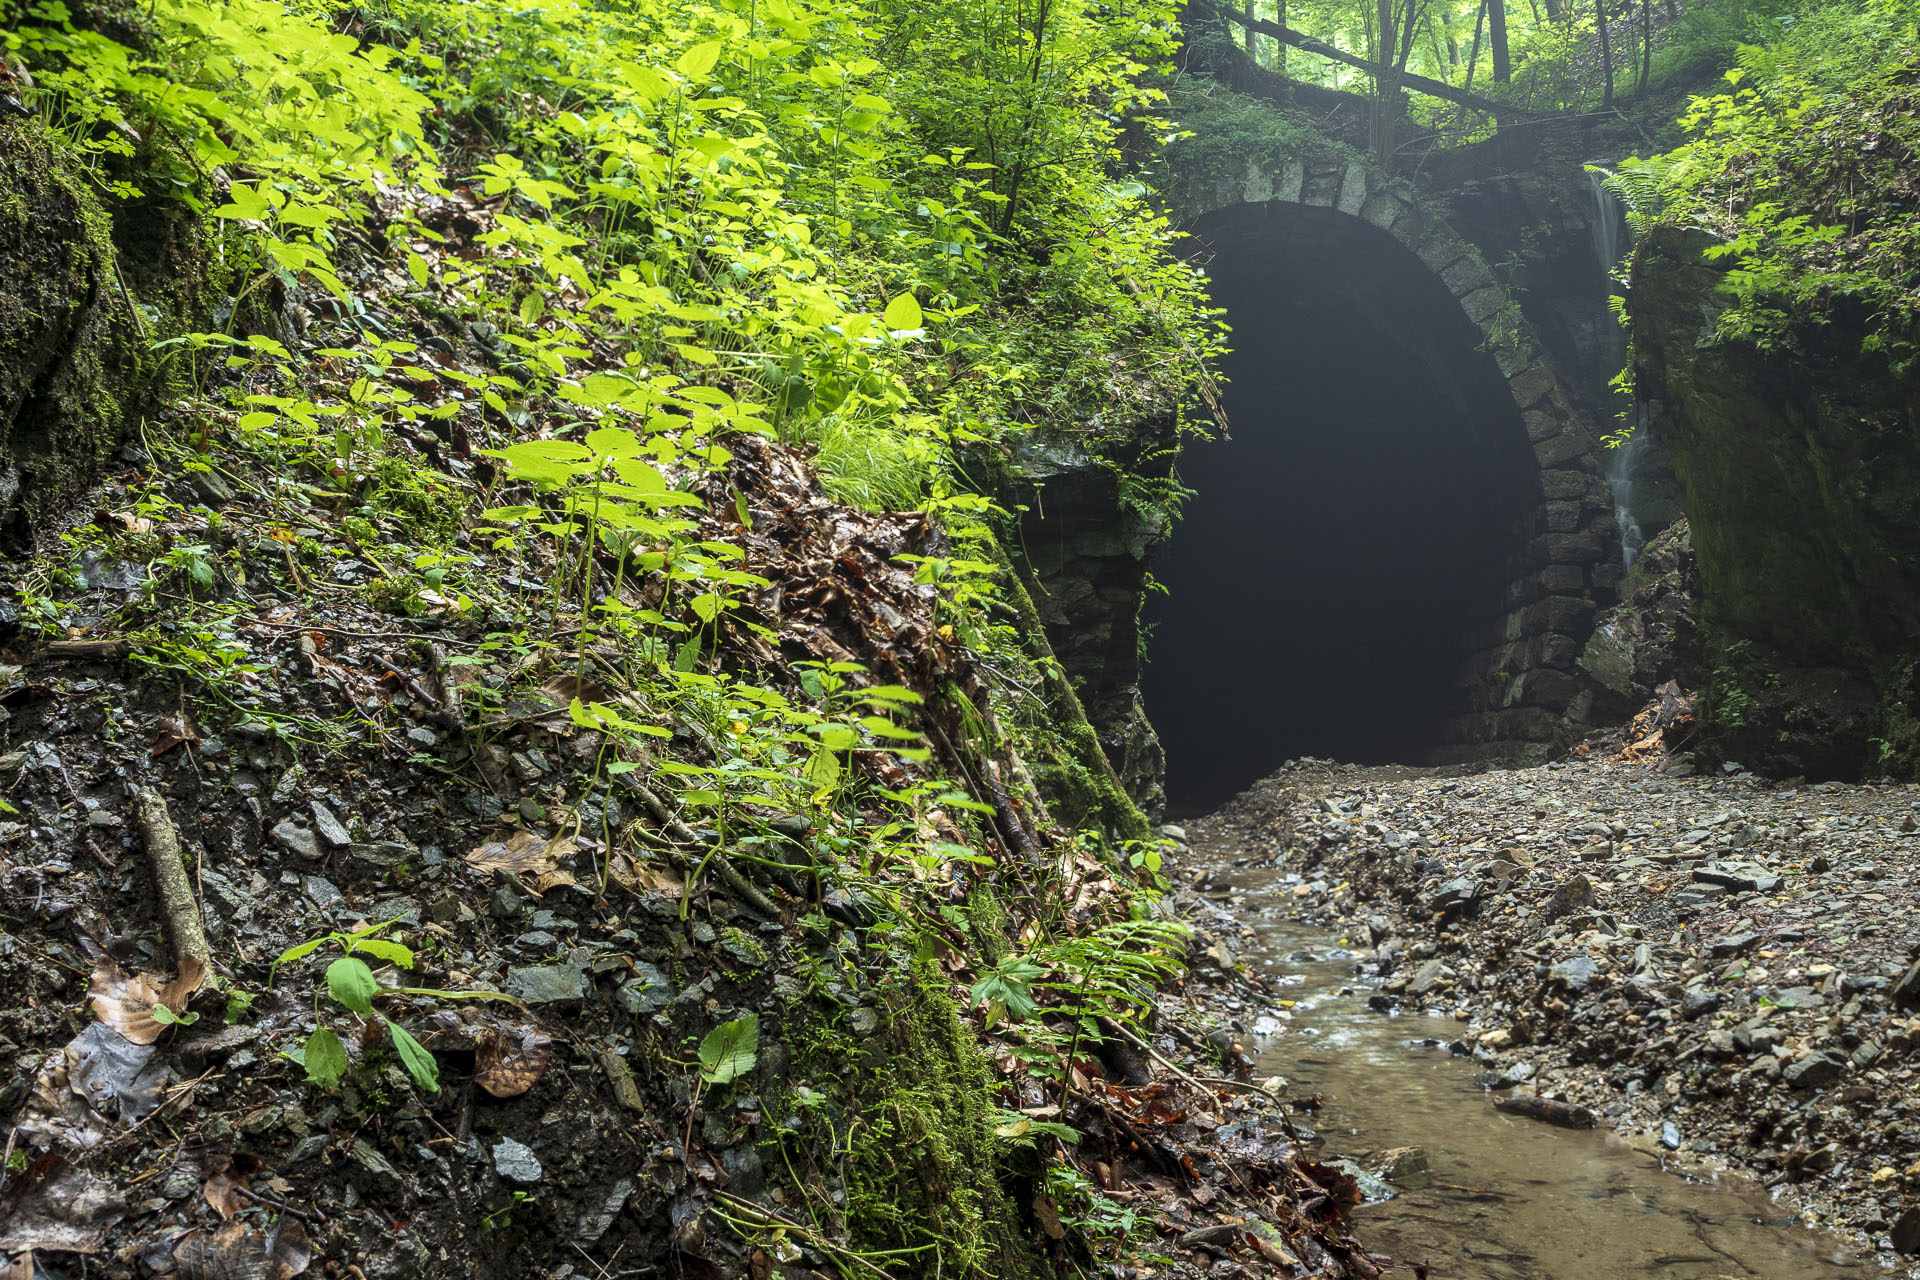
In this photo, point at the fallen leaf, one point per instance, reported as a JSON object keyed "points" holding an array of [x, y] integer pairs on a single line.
{"points": [[105, 1067], [171, 732], [225, 1194], [127, 1004], [54, 1206], [1271, 1251], [511, 1061], [523, 854]]}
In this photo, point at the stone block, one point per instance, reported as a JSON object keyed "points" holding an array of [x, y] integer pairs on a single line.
{"points": [[1382, 209], [1257, 187], [1440, 249], [1561, 579], [1561, 450], [1565, 486], [1530, 386], [1483, 304], [1558, 651], [1540, 424], [1584, 547], [1547, 688], [1292, 178], [1465, 276], [1511, 357], [1353, 190], [1564, 517]]}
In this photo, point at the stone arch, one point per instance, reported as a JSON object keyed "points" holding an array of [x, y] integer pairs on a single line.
{"points": [[1521, 679]]}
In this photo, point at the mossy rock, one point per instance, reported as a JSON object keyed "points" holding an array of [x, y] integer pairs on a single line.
{"points": [[1800, 464], [70, 365], [910, 1104]]}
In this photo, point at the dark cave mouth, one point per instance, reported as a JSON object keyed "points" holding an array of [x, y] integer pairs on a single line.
{"points": [[1349, 549]]}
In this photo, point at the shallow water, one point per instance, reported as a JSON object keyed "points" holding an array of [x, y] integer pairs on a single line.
{"points": [[1507, 1198]]}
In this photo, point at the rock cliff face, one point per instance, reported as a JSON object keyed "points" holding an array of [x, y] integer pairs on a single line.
{"points": [[1800, 466], [68, 353]]}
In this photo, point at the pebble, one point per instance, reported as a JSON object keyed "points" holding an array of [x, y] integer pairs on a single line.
{"points": [[516, 1162], [298, 839]]}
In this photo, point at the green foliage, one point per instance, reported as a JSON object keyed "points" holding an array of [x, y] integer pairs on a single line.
{"points": [[730, 1050], [351, 984], [1803, 169]]}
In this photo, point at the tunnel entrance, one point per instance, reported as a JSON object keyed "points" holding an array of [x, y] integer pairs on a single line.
{"points": [[1349, 550]]}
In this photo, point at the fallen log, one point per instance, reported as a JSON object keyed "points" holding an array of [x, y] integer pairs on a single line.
{"points": [[1405, 79]]}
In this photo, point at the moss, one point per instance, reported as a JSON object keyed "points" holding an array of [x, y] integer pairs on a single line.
{"points": [[909, 1109], [1070, 766]]}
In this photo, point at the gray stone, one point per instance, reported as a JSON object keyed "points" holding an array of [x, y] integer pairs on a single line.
{"points": [[516, 1162], [1736, 877], [1424, 977], [331, 829], [865, 1021], [1814, 1070], [424, 738], [1670, 1136], [1738, 944], [323, 891], [1453, 896], [1907, 990], [647, 991], [547, 984], [298, 839], [1575, 973]]}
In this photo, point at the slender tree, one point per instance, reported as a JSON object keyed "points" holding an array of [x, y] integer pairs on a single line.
{"points": [[1497, 21], [1473, 55], [1646, 47], [1606, 53]]}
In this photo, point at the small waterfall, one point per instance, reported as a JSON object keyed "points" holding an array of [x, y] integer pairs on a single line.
{"points": [[1609, 227], [1608, 223], [1621, 462]]}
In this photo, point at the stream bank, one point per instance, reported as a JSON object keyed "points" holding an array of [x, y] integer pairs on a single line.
{"points": [[1719, 967]]}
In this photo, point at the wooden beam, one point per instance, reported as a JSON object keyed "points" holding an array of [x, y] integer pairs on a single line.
{"points": [[1406, 79]]}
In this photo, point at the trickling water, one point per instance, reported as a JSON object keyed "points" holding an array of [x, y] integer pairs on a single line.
{"points": [[1620, 464], [1609, 225]]}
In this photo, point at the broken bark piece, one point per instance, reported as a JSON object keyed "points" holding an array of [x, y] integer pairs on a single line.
{"points": [[1547, 1110], [184, 926]]}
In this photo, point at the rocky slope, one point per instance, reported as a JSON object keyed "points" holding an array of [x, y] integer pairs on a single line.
{"points": [[1722, 965]]}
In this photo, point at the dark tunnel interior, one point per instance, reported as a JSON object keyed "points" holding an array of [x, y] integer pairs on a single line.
{"points": [[1349, 545]]}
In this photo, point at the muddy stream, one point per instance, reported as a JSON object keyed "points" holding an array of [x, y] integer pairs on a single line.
{"points": [[1506, 1198]]}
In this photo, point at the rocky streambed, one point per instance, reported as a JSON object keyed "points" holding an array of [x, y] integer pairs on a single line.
{"points": [[1720, 969]]}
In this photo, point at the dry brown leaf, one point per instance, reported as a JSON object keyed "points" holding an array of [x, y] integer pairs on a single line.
{"points": [[523, 854], [171, 732], [511, 1061], [127, 1004], [1270, 1251], [225, 1194]]}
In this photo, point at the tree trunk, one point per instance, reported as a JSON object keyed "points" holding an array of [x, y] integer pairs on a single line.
{"points": [[1473, 56], [1386, 81], [1250, 49], [1606, 53], [1279, 49], [1497, 20], [1646, 47]]}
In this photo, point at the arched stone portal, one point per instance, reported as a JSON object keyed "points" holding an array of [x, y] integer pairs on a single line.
{"points": [[1397, 557]]}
